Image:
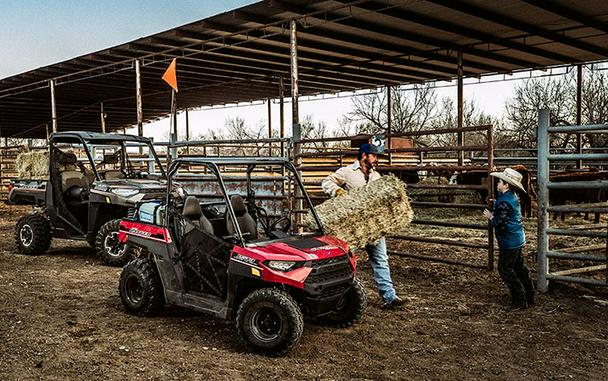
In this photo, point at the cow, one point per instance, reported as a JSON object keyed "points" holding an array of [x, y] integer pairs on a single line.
{"points": [[577, 196], [480, 177], [407, 175], [529, 197], [474, 177]]}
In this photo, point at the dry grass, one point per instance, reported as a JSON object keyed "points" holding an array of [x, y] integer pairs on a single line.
{"points": [[364, 215], [33, 165]]}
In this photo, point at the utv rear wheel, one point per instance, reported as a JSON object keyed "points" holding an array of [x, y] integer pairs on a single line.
{"points": [[269, 321], [107, 246], [350, 309], [140, 287], [33, 234]]}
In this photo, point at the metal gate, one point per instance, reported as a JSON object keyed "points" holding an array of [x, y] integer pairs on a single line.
{"points": [[586, 253]]}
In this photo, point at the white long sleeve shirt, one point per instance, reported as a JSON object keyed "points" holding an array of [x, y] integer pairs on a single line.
{"points": [[349, 177]]}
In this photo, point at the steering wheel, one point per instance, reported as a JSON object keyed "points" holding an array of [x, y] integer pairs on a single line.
{"points": [[283, 224], [264, 220]]}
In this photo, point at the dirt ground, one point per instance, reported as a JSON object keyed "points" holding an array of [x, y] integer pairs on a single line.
{"points": [[61, 319]]}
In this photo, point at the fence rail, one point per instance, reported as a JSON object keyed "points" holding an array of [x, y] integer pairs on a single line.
{"points": [[598, 274]]}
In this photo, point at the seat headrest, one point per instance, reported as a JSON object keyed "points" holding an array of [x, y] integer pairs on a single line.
{"points": [[67, 158], [192, 208], [110, 158], [238, 204]]}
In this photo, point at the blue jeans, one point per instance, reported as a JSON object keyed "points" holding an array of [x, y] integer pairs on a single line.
{"points": [[378, 258]]}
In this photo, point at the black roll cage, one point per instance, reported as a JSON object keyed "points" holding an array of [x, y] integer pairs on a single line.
{"points": [[88, 138], [213, 165]]}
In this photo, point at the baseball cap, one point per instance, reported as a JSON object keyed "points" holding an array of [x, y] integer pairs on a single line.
{"points": [[370, 148]]}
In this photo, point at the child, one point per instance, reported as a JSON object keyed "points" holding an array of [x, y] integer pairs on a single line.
{"points": [[507, 221]]}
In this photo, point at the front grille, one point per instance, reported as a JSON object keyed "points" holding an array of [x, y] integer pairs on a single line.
{"points": [[327, 270], [330, 261], [333, 292]]}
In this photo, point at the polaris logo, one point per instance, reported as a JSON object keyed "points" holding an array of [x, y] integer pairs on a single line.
{"points": [[140, 232], [326, 247], [242, 258]]}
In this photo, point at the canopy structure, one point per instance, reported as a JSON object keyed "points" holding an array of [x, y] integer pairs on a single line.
{"points": [[244, 55]]}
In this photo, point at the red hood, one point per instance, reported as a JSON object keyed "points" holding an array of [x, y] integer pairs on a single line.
{"points": [[326, 247]]}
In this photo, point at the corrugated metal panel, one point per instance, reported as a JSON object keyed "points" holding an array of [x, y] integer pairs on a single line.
{"points": [[239, 55]]}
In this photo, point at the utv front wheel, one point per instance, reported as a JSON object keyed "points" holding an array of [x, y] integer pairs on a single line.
{"points": [[33, 234], [107, 246], [270, 321], [140, 287], [350, 309]]}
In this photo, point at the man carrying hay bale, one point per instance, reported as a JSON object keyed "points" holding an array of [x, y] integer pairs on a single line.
{"points": [[355, 176]]}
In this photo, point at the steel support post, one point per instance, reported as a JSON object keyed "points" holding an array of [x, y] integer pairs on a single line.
{"points": [[460, 107], [295, 117], [490, 139], [295, 124], [103, 118], [542, 261], [269, 126], [579, 108], [140, 112], [281, 116], [53, 104], [389, 120], [187, 132]]}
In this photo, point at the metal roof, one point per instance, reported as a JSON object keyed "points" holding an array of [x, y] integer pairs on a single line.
{"points": [[240, 55]]}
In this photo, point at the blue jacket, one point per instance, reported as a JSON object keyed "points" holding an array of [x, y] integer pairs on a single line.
{"points": [[507, 221]]}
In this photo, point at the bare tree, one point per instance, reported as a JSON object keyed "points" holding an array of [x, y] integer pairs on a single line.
{"points": [[556, 93], [411, 110], [595, 103], [447, 117], [559, 95]]}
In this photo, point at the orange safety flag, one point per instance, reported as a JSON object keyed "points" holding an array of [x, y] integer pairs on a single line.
{"points": [[170, 75]]}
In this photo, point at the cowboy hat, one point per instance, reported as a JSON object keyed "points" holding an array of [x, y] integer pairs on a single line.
{"points": [[510, 176]]}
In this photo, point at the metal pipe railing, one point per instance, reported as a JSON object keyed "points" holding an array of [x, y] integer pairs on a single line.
{"points": [[544, 157]]}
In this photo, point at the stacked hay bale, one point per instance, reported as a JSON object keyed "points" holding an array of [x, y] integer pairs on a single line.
{"points": [[33, 165], [364, 215]]}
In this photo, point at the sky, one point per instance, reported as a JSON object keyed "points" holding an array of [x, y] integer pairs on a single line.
{"points": [[39, 33]]}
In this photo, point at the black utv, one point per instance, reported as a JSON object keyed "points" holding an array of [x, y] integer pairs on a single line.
{"points": [[94, 179]]}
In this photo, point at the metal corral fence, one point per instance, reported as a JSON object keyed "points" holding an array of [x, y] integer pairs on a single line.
{"points": [[587, 253], [508, 157], [272, 189], [319, 157]]}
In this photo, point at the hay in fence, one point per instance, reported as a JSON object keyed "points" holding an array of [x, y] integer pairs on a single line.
{"points": [[33, 165], [364, 215]]}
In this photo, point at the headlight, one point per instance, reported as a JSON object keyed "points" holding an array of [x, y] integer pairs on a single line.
{"points": [[281, 265], [124, 192]]}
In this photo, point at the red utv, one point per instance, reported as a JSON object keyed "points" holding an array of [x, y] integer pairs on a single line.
{"points": [[264, 271]]}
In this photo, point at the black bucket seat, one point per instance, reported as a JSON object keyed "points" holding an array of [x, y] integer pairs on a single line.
{"points": [[193, 212], [246, 223]]}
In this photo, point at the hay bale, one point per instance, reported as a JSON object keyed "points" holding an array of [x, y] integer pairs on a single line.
{"points": [[33, 165], [364, 215]]}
